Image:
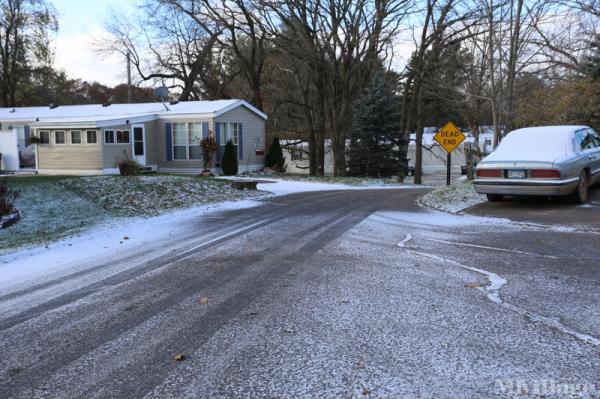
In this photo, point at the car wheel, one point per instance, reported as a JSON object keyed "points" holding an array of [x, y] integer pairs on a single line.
{"points": [[494, 197], [580, 195]]}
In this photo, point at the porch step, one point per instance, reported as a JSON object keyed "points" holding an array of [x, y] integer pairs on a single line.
{"points": [[147, 170]]}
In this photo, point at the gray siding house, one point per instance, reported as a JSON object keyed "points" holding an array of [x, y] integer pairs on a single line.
{"points": [[91, 139]]}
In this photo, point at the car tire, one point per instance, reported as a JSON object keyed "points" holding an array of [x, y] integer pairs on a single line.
{"points": [[580, 195], [494, 197]]}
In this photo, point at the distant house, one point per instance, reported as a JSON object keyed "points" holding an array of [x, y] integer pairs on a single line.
{"points": [[91, 139], [434, 157]]}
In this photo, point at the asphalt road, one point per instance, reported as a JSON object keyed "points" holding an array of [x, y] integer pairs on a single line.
{"points": [[329, 294], [557, 210]]}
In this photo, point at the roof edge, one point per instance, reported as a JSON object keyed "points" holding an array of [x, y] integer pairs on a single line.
{"points": [[241, 103]]}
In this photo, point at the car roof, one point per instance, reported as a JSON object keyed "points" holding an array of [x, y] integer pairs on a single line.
{"points": [[550, 130]]}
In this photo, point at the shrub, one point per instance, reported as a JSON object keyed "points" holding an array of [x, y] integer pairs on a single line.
{"points": [[7, 199], [128, 166], [229, 163], [274, 158]]}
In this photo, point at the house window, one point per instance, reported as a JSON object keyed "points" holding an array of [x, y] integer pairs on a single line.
{"points": [[228, 131], [109, 136], [92, 137], [122, 136], [180, 141], [75, 136], [298, 153], [44, 137], [186, 141], [195, 137], [59, 137]]}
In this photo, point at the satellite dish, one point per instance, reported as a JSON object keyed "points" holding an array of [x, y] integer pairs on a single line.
{"points": [[161, 93]]}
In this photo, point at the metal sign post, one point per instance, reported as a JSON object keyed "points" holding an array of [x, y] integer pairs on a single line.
{"points": [[448, 168]]}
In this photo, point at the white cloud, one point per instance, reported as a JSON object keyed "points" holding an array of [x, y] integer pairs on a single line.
{"points": [[76, 55]]}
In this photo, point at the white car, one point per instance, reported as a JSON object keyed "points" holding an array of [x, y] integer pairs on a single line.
{"points": [[544, 161]]}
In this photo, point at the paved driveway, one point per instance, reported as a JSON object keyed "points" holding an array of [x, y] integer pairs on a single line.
{"points": [[333, 294], [556, 211]]}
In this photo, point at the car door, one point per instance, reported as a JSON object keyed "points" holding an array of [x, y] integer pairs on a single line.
{"points": [[594, 156]]}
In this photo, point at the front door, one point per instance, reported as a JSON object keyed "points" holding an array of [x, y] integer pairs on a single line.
{"points": [[139, 144]]}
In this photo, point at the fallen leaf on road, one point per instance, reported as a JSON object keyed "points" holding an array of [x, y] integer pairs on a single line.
{"points": [[252, 313], [126, 238], [204, 300], [179, 357], [366, 391], [472, 285], [287, 331], [360, 365]]}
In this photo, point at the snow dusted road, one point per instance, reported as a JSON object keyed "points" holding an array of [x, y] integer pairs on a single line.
{"points": [[325, 294]]}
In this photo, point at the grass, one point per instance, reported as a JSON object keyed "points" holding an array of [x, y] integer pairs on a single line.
{"points": [[53, 207], [44, 203]]}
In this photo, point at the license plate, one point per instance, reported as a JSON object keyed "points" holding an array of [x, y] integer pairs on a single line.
{"points": [[516, 174]]}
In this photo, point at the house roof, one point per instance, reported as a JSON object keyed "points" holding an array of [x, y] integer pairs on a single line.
{"points": [[116, 114]]}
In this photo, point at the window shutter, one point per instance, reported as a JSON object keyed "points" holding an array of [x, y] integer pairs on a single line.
{"points": [[204, 130], [27, 131], [169, 141], [218, 137], [241, 142]]}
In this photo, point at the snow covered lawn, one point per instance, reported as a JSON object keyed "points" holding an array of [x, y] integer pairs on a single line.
{"points": [[454, 198], [56, 207], [149, 195]]}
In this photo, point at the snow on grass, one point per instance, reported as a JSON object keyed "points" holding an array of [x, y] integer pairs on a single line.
{"points": [[454, 198], [55, 207], [48, 212], [149, 195]]}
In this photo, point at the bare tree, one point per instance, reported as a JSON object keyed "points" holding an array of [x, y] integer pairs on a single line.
{"points": [[25, 26], [344, 41], [178, 52]]}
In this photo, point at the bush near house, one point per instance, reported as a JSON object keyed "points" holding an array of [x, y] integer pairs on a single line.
{"points": [[7, 199], [274, 159], [128, 166], [229, 163]]}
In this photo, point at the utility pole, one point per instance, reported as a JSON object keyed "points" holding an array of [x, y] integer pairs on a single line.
{"points": [[129, 78]]}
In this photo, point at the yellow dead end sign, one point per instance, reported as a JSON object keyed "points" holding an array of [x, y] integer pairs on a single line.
{"points": [[449, 137]]}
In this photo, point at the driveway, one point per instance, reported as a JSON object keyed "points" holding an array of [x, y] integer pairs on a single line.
{"points": [[556, 211], [347, 294]]}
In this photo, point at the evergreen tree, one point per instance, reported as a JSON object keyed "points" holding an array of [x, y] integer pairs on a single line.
{"points": [[229, 163], [592, 61], [375, 132], [274, 158]]}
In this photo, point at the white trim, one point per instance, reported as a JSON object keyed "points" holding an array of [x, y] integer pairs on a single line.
{"points": [[70, 172], [110, 171], [194, 171], [132, 139], [126, 121], [203, 117], [238, 104]]}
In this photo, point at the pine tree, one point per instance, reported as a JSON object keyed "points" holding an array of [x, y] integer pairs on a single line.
{"points": [[274, 158], [375, 132], [592, 61], [229, 163]]}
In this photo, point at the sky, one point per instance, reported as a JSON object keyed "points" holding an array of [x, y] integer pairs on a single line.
{"points": [[80, 21]]}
